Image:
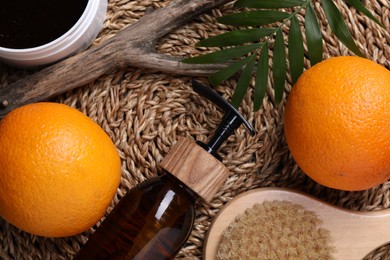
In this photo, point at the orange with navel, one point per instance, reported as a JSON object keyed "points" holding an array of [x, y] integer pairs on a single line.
{"points": [[337, 123], [58, 170]]}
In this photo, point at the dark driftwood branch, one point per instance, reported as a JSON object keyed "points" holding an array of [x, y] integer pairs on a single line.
{"points": [[133, 46]]}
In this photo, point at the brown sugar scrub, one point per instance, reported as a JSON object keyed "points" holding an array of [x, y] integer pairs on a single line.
{"points": [[275, 230]]}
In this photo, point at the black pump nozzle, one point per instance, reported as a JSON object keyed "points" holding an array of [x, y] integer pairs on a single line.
{"points": [[230, 122]]}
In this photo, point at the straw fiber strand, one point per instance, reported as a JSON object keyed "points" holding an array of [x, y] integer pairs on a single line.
{"points": [[145, 112]]}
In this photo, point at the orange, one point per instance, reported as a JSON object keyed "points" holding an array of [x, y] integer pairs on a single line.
{"points": [[58, 170], [337, 123]]}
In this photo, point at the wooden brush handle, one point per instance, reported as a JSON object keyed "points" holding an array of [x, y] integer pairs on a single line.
{"points": [[355, 234]]}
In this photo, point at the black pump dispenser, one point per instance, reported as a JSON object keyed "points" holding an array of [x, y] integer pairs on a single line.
{"points": [[230, 122], [155, 218]]}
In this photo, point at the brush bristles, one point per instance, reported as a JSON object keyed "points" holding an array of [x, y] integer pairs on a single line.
{"points": [[275, 230]]}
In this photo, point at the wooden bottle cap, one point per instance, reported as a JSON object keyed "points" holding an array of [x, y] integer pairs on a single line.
{"points": [[196, 168]]}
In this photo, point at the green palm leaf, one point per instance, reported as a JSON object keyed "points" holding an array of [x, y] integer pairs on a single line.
{"points": [[313, 36], [261, 78], [236, 37], [279, 66], [243, 82], [225, 73], [339, 27], [253, 18], [222, 55], [295, 50], [257, 41], [360, 7], [272, 4]]}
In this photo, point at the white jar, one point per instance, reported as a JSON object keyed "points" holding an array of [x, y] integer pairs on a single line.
{"points": [[76, 39]]}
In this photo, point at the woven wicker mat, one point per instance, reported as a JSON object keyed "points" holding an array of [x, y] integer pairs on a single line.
{"points": [[144, 112]]}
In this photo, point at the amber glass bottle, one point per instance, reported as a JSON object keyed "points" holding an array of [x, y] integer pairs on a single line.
{"points": [[151, 223], [154, 219]]}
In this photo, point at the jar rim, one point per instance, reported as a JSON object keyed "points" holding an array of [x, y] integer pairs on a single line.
{"points": [[81, 23], [76, 39]]}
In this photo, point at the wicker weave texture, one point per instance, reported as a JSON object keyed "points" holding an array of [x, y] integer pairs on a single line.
{"points": [[145, 112]]}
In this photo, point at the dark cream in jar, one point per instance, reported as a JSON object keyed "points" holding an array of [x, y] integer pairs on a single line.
{"points": [[40, 32]]}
